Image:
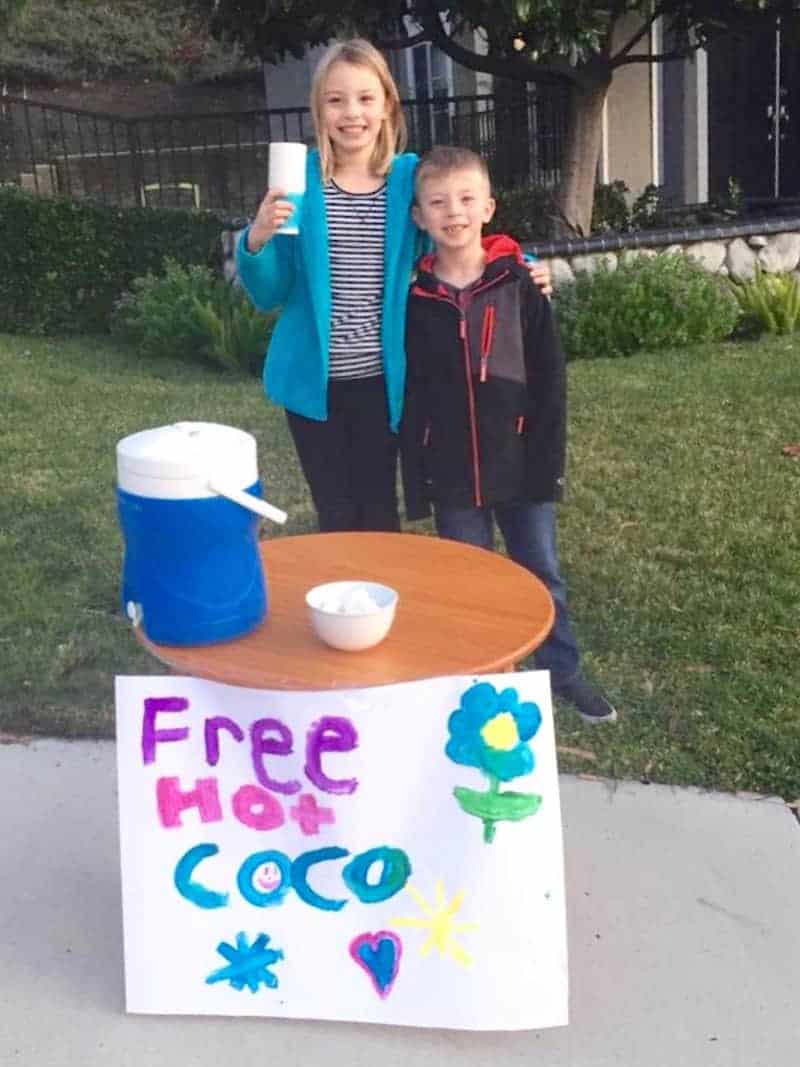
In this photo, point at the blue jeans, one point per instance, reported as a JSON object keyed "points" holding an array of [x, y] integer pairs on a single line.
{"points": [[529, 531]]}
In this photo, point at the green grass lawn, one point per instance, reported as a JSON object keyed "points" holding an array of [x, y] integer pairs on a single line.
{"points": [[680, 538]]}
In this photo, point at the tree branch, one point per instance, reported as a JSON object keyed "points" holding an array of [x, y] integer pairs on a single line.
{"points": [[608, 40], [642, 32], [665, 57], [507, 66], [395, 43]]}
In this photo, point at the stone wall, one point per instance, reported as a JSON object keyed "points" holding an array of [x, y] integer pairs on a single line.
{"points": [[736, 257]]}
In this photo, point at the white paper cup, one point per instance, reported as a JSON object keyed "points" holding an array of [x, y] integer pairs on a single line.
{"points": [[287, 171]]}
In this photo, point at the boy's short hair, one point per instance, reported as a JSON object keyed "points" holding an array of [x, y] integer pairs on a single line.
{"points": [[444, 159]]}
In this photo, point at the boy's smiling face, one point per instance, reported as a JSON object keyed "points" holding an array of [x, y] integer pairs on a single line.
{"points": [[453, 206]]}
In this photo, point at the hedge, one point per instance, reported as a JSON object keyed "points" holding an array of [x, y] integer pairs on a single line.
{"points": [[64, 263]]}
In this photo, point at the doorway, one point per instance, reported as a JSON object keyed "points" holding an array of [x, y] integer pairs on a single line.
{"points": [[753, 115]]}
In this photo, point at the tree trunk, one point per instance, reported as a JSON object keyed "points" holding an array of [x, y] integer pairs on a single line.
{"points": [[581, 155]]}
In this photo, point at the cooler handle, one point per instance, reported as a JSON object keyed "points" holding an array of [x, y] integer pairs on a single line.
{"points": [[247, 500]]}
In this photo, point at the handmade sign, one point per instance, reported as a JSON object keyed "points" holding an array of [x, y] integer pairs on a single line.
{"points": [[385, 855]]}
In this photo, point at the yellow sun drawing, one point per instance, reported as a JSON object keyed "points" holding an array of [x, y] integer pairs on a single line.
{"points": [[441, 922]]}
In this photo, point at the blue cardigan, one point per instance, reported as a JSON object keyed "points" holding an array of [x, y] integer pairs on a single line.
{"points": [[294, 273]]}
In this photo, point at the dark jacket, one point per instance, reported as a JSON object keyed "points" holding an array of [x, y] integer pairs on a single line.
{"points": [[485, 410]]}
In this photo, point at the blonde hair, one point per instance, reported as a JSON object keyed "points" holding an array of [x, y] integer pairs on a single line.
{"points": [[392, 136]]}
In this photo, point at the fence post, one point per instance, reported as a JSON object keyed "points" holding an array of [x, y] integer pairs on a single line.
{"points": [[7, 144], [137, 167]]}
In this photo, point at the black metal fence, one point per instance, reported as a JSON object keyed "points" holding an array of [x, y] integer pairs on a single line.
{"points": [[218, 161]]}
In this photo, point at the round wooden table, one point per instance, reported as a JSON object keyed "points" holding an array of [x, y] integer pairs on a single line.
{"points": [[462, 610]]}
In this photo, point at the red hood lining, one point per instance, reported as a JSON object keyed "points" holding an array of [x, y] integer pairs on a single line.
{"points": [[495, 245]]}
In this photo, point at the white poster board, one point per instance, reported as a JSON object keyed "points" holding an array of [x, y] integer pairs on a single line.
{"points": [[387, 855]]}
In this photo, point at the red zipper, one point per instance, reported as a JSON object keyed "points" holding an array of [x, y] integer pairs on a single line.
{"points": [[473, 421], [487, 336], [463, 333]]}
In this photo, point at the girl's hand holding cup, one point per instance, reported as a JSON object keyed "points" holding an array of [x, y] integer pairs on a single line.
{"points": [[287, 184], [273, 212]]}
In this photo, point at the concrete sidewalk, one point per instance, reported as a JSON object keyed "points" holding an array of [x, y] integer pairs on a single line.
{"points": [[684, 936]]}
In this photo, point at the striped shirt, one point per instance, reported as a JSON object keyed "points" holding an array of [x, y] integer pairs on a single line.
{"points": [[356, 224]]}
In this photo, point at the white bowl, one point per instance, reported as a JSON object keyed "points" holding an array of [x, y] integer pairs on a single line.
{"points": [[352, 615]]}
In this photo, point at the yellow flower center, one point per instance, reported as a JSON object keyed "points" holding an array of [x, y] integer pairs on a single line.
{"points": [[501, 732]]}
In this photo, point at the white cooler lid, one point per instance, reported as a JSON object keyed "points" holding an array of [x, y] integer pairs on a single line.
{"points": [[179, 461]]}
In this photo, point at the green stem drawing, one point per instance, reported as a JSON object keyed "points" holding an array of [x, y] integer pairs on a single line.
{"points": [[489, 825], [493, 805]]}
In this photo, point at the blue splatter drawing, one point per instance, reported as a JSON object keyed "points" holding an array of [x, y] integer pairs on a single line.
{"points": [[248, 965], [490, 731]]}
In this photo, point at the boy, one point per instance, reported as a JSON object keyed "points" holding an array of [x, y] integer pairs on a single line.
{"points": [[483, 435]]}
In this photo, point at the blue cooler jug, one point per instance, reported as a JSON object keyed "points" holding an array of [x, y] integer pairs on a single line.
{"points": [[189, 502]]}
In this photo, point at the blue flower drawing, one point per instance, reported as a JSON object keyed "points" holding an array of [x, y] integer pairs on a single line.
{"points": [[491, 731]]}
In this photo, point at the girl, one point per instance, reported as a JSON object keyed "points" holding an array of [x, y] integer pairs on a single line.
{"points": [[336, 360]]}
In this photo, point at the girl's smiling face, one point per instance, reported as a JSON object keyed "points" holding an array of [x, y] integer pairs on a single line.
{"points": [[353, 108]]}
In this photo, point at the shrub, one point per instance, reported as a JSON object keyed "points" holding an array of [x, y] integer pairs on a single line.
{"points": [[650, 210], [159, 317], [526, 213], [651, 303], [531, 213], [769, 302], [64, 263], [235, 331], [188, 313], [610, 209]]}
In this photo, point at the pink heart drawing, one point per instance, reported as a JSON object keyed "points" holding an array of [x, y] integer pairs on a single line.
{"points": [[379, 955]]}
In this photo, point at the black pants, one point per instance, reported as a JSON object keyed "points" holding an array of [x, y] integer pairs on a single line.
{"points": [[350, 461]]}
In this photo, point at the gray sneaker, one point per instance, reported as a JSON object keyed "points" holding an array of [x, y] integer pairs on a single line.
{"points": [[592, 705]]}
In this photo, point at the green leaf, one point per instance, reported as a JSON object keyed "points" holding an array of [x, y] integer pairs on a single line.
{"points": [[496, 806]]}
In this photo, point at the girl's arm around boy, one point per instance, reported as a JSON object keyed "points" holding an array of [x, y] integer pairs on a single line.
{"points": [[545, 367]]}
